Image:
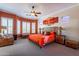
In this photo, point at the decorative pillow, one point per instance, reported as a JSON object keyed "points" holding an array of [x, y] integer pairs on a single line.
{"points": [[47, 33], [52, 33]]}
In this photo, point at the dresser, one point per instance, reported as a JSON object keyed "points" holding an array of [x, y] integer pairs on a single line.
{"points": [[6, 41], [72, 43]]}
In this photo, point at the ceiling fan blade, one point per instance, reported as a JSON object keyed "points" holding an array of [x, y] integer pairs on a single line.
{"points": [[38, 12], [36, 15]]}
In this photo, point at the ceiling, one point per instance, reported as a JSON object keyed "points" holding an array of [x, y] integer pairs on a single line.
{"points": [[21, 9]]}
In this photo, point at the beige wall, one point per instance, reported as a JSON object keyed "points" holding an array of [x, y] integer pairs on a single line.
{"points": [[71, 29]]}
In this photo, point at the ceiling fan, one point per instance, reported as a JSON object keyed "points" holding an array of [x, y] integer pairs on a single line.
{"points": [[33, 12]]}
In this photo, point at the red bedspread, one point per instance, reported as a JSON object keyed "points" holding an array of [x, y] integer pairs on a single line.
{"points": [[42, 39]]}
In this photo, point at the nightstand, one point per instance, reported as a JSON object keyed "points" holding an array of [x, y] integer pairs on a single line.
{"points": [[60, 39]]}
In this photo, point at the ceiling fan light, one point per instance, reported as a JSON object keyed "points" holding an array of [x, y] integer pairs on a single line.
{"points": [[32, 14]]}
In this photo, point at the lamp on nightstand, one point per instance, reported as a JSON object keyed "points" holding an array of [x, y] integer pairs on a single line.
{"points": [[60, 30]]}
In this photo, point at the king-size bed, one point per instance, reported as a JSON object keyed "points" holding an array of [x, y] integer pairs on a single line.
{"points": [[41, 39]]}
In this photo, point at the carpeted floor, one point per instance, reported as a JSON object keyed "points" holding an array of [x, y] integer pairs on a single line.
{"points": [[24, 47]]}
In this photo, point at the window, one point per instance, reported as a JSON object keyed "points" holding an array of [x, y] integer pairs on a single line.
{"points": [[33, 27], [65, 19], [7, 24], [24, 30], [18, 27], [3, 24], [10, 26], [28, 27]]}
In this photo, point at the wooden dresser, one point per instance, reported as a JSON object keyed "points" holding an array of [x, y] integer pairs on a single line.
{"points": [[72, 43], [6, 41]]}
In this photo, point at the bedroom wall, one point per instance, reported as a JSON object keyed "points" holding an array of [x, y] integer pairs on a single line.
{"points": [[71, 29]]}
